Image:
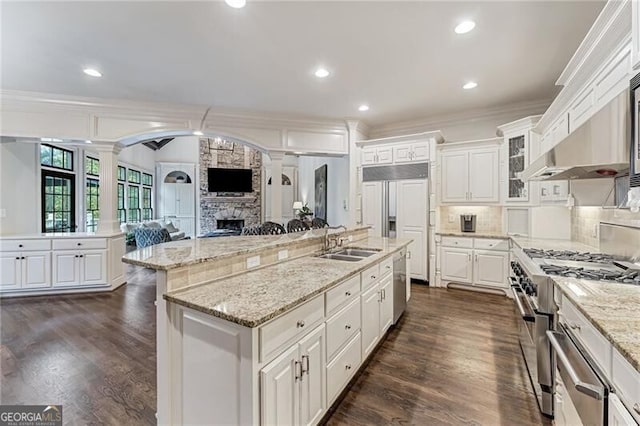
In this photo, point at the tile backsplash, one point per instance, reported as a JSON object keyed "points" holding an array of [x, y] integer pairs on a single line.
{"points": [[488, 218], [585, 222]]}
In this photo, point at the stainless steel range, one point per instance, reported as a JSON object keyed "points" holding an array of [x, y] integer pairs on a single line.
{"points": [[532, 287]]}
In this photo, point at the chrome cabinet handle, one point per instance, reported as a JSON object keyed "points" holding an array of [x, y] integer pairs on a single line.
{"points": [[300, 324], [574, 327], [347, 293], [295, 367], [636, 408], [20, 245], [373, 277], [302, 368], [582, 387], [18, 258], [347, 327], [348, 366], [79, 244]]}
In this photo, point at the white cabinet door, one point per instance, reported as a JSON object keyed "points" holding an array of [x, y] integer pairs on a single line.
{"points": [[10, 270], [37, 269], [368, 156], [93, 267], [372, 207], [420, 151], [412, 213], [168, 203], [402, 153], [483, 176], [455, 177], [618, 414], [66, 271], [185, 199], [386, 305], [279, 389], [385, 155], [491, 268], [313, 401], [456, 265], [370, 319]]}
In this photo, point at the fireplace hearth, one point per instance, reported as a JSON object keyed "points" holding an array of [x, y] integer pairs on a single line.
{"points": [[233, 224]]}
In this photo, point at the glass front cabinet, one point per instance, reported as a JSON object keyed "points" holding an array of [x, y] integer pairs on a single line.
{"points": [[515, 158]]}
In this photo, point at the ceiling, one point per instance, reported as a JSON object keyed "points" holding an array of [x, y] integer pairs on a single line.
{"points": [[401, 58]]}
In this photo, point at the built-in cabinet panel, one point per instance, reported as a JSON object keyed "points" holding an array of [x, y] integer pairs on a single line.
{"points": [[491, 268], [176, 195], [93, 267], [412, 222], [10, 271], [483, 176], [386, 304], [470, 176], [411, 152], [618, 414], [372, 207], [370, 320], [313, 402], [66, 269], [377, 155], [36, 269], [455, 177], [456, 265]]}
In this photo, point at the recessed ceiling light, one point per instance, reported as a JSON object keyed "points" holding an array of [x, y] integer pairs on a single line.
{"points": [[465, 26], [321, 73], [363, 108], [470, 85], [198, 133], [88, 141], [92, 72], [50, 140], [236, 4]]}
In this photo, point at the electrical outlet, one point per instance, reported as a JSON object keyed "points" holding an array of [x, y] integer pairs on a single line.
{"points": [[452, 218], [283, 254], [253, 262]]}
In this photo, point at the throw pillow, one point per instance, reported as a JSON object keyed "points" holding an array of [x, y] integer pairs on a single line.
{"points": [[169, 227]]}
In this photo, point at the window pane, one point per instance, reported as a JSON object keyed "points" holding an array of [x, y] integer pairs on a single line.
{"points": [[45, 155], [92, 166], [58, 206], [58, 159], [122, 173], [147, 179], [134, 176], [68, 160]]}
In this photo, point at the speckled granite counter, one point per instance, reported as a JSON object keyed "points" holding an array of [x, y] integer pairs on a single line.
{"points": [[546, 244], [474, 234], [189, 252], [255, 297], [614, 309]]}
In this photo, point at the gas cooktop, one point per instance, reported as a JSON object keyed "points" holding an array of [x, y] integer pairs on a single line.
{"points": [[606, 273], [572, 255]]}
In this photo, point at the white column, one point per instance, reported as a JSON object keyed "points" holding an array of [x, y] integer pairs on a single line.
{"points": [[276, 186], [354, 163], [108, 192]]}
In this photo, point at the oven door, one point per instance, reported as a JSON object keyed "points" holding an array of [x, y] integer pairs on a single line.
{"points": [[586, 389], [532, 329]]}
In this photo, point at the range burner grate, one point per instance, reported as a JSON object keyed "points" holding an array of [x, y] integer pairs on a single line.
{"points": [[623, 277], [572, 255]]}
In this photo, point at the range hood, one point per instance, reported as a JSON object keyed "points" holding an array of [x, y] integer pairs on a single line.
{"points": [[597, 149]]}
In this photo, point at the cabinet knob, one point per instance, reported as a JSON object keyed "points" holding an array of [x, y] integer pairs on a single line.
{"points": [[20, 245], [75, 255], [388, 267], [348, 366], [82, 255], [22, 257], [347, 293], [348, 327], [373, 277], [300, 324], [79, 244], [18, 258]]}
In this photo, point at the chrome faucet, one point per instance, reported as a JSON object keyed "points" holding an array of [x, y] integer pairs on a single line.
{"points": [[332, 241]]}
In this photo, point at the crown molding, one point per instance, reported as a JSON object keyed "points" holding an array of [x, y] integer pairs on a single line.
{"points": [[523, 123], [449, 120], [436, 135]]}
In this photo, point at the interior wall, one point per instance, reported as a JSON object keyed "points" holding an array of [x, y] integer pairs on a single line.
{"points": [[184, 149], [140, 156], [337, 186], [585, 222], [19, 188]]}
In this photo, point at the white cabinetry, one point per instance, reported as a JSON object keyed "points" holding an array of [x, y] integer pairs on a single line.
{"points": [[372, 207], [176, 195], [411, 152], [25, 270], [635, 34], [618, 414], [411, 222], [377, 155], [293, 385], [479, 262], [470, 175], [82, 267], [377, 312]]}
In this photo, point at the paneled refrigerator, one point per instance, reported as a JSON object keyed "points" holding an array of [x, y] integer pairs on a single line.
{"points": [[395, 203]]}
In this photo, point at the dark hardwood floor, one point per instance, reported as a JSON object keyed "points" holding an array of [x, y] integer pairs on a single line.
{"points": [[452, 359]]}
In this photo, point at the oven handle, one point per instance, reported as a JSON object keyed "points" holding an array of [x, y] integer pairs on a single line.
{"points": [[515, 290], [581, 386]]}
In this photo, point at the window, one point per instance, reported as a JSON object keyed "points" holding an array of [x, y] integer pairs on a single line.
{"points": [[92, 166], [122, 212], [122, 174], [147, 179], [57, 158], [58, 201], [133, 203], [133, 176], [147, 211], [92, 200]]}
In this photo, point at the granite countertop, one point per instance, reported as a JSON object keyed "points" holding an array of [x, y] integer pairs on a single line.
{"points": [[614, 309], [60, 235], [253, 298], [547, 244], [499, 235], [188, 252]]}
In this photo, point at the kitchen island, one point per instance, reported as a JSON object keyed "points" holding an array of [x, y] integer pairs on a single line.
{"points": [[276, 333]]}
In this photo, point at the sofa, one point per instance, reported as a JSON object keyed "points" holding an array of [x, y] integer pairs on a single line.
{"points": [[129, 229]]}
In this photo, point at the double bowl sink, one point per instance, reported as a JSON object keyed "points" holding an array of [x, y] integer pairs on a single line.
{"points": [[350, 254]]}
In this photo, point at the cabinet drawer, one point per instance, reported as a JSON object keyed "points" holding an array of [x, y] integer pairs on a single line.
{"points": [[342, 326], [80, 244], [599, 348], [626, 381], [342, 368], [24, 245], [291, 325], [370, 276], [491, 244], [386, 266], [342, 293], [457, 242]]}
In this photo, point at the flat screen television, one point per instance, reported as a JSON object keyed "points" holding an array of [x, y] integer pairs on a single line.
{"points": [[230, 180]]}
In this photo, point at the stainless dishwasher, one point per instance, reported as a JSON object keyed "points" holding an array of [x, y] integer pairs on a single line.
{"points": [[399, 284]]}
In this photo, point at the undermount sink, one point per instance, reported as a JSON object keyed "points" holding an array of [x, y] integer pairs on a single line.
{"points": [[357, 252], [337, 256]]}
